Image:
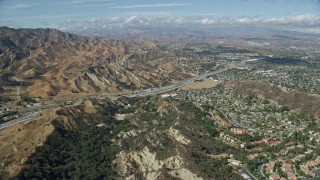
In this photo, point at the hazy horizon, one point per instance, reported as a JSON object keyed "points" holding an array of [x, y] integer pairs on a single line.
{"points": [[302, 15]]}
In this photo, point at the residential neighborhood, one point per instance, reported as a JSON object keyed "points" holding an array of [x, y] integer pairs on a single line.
{"points": [[282, 143]]}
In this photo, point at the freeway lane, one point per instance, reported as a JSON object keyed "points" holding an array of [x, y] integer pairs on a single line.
{"points": [[22, 119], [149, 92], [177, 85]]}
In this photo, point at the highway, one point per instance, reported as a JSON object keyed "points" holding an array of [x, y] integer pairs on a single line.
{"points": [[155, 91], [21, 119], [148, 92]]}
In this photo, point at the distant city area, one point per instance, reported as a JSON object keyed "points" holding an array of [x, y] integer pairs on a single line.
{"points": [[183, 105]]}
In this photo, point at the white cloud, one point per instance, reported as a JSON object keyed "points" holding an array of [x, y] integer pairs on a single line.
{"points": [[313, 30], [299, 20], [153, 5], [179, 20], [207, 21], [247, 20], [147, 13], [115, 19], [304, 19], [54, 26], [132, 19]]}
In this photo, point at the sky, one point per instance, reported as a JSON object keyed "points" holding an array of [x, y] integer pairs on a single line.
{"points": [[68, 14]]}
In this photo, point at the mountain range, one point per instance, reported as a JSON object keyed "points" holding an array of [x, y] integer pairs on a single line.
{"points": [[56, 63]]}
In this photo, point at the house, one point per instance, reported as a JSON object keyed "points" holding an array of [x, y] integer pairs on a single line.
{"points": [[68, 102], [266, 139], [234, 162], [213, 111], [243, 145], [163, 96], [286, 168], [232, 140], [274, 143], [306, 167], [237, 131], [274, 176], [270, 167], [291, 176], [309, 151], [221, 121]]}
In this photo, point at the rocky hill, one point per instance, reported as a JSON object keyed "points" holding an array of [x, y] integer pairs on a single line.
{"points": [[56, 63], [143, 138]]}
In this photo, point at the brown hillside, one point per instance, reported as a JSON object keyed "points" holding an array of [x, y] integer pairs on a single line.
{"points": [[58, 63], [300, 101]]}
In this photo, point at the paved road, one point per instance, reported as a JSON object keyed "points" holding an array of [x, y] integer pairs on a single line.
{"points": [[245, 171], [154, 91], [149, 92], [21, 119]]}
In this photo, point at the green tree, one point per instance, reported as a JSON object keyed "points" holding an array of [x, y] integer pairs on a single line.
{"points": [[317, 151], [5, 76]]}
